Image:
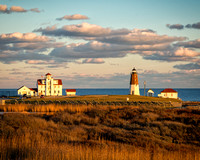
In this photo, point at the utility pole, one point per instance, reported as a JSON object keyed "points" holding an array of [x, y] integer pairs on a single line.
{"points": [[144, 87]]}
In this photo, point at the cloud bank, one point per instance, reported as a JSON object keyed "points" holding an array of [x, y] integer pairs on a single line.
{"points": [[97, 43], [25, 46], [109, 43]]}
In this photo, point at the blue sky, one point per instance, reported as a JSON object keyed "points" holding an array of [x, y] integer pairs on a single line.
{"points": [[160, 38]]}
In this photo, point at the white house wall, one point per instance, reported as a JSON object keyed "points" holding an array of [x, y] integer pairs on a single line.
{"points": [[25, 90], [169, 95]]}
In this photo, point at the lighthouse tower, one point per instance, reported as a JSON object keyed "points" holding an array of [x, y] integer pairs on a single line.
{"points": [[134, 86]]}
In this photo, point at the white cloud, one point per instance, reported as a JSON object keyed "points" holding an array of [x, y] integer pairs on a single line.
{"points": [[25, 46], [20, 37], [73, 17], [185, 52], [93, 60], [18, 9], [3, 8], [84, 30], [140, 37]]}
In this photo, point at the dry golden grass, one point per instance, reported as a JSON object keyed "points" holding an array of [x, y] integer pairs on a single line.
{"points": [[37, 148], [99, 132], [44, 108]]}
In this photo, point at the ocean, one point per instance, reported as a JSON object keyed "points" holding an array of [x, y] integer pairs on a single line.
{"points": [[189, 94]]}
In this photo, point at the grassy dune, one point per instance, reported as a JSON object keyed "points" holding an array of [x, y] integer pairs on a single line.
{"points": [[101, 132]]}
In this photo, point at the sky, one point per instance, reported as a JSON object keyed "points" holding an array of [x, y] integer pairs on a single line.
{"points": [[96, 44]]}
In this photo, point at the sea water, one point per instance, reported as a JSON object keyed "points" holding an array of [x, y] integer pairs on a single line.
{"points": [[187, 94]]}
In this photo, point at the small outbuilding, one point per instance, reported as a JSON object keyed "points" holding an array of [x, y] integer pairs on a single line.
{"points": [[150, 93], [27, 91], [168, 93], [70, 92]]}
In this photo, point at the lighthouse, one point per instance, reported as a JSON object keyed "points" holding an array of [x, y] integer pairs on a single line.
{"points": [[134, 86]]}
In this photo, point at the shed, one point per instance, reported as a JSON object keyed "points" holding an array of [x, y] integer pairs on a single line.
{"points": [[150, 93], [70, 92]]}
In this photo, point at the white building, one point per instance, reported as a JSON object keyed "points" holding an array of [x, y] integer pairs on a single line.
{"points": [[150, 93], [70, 92], [168, 93], [49, 86], [134, 86], [27, 91]]}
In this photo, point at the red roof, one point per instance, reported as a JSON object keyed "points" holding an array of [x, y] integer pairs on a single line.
{"points": [[59, 81], [168, 90], [48, 74], [34, 89], [39, 82], [70, 90]]}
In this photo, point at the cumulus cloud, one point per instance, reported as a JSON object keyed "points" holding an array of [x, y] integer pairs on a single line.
{"points": [[101, 43], [40, 62], [122, 36], [194, 25], [189, 66], [80, 30], [176, 54], [190, 44], [93, 60], [110, 43], [25, 46], [35, 10], [181, 26], [13, 56], [3, 8], [88, 50], [19, 9], [185, 52], [175, 26], [22, 37], [73, 17], [140, 37]]}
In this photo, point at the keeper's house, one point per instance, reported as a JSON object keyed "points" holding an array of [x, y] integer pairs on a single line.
{"points": [[70, 92], [49, 86], [168, 93]]}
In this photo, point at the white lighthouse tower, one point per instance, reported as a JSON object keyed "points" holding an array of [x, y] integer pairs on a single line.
{"points": [[134, 86]]}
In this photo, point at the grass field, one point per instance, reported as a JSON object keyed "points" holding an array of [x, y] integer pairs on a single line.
{"points": [[100, 132], [115, 100]]}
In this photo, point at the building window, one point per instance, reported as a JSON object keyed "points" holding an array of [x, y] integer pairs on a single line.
{"points": [[58, 91], [54, 91]]}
